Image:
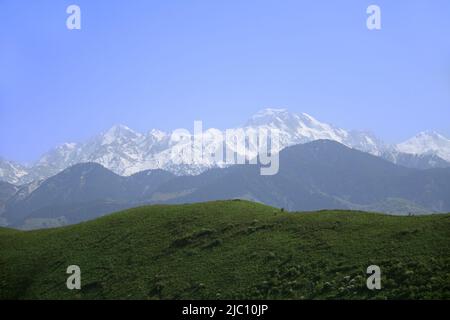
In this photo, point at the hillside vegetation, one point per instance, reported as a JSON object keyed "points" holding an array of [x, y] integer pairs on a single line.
{"points": [[230, 249]]}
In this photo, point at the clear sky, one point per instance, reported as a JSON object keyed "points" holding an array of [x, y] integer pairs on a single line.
{"points": [[163, 64]]}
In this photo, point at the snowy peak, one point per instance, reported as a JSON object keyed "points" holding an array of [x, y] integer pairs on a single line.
{"points": [[119, 133], [427, 142], [157, 134], [301, 128], [367, 142], [269, 112], [61, 153], [119, 129], [283, 119], [431, 134], [12, 172], [269, 116], [68, 146], [296, 128]]}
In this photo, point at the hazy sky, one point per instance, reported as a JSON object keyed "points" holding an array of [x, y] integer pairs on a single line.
{"points": [[163, 64]]}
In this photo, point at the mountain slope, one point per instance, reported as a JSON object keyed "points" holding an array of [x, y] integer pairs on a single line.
{"points": [[416, 161], [81, 192], [323, 175], [230, 250], [7, 191]]}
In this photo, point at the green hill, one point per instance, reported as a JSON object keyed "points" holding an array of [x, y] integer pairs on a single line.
{"points": [[230, 249]]}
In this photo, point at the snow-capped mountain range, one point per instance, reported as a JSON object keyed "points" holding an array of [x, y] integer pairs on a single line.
{"points": [[126, 152]]}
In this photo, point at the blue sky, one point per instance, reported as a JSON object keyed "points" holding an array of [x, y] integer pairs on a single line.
{"points": [[163, 64]]}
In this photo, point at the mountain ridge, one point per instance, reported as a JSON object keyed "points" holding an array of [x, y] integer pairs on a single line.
{"points": [[318, 175], [125, 151]]}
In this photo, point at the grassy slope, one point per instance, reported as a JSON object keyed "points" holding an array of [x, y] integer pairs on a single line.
{"points": [[230, 249]]}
